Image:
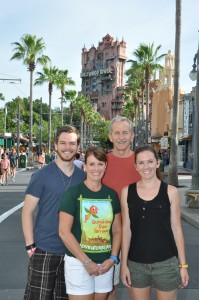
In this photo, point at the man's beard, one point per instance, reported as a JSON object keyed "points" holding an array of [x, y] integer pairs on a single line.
{"points": [[66, 159]]}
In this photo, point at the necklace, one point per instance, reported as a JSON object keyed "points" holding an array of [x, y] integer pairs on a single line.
{"points": [[69, 182]]}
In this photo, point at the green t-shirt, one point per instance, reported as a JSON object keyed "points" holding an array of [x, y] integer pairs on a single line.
{"points": [[93, 214]]}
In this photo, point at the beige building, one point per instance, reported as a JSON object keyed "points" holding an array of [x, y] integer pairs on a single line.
{"points": [[103, 76], [162, 103]]}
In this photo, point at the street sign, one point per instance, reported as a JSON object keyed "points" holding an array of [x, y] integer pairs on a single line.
{"points": [[164, 142]]}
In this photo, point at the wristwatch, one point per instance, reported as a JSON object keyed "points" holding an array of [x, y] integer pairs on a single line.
{"points": [[115, 258]]}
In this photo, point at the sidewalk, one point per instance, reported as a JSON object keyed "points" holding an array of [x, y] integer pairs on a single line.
{"points": [[191, 215]]}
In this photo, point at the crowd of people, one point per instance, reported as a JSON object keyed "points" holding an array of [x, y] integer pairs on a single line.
{"points": [[97, 209], [8, 165]]}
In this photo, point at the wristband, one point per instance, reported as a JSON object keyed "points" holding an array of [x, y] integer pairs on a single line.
{"points": [[32, 250], [185, 266], [115, 258], [31, 246]]}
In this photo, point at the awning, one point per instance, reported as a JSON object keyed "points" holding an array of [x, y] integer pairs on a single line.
{"points": [[186, 138], [24, 139]]}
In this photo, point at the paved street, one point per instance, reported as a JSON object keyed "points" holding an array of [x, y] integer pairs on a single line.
{"points": [[14, 260]]}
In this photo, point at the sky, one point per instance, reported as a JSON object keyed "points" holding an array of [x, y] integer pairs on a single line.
{"points": [[68, 25]]}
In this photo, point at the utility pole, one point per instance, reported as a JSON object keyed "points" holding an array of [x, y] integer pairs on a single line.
{"points": [[11, 81], [5, 114], [18, 129], [40, 126]]}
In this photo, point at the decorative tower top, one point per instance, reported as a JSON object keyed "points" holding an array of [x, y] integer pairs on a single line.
{"points": [[167, 75], [170, 61]]}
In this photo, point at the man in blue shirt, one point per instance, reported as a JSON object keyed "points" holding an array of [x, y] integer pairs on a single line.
{"points": [[43, 244]]}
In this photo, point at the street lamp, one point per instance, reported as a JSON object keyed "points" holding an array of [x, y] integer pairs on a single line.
{"points": [[5, 114], [194, 75]]}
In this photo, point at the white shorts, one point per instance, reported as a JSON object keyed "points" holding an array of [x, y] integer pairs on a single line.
{"points": [[79, 282]]}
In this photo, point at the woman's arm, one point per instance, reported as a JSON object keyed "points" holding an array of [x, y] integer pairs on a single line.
{"points": [[116, 243], [71, 243], [117, 234], [174, 198], [126, 238]]}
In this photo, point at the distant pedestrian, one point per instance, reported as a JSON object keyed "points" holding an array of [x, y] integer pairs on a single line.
{"points": [[78, 162], [47, 185], [159, 155], [5, 165], [1, 173], [52, 155], [41, 160], [13, 163], [165, 158]]}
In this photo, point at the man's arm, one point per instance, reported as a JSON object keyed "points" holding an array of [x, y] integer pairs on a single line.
{"points": [[30, 204]]}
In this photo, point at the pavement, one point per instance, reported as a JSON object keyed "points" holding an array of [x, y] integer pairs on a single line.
{"points": [[191, 215], [14, 192]]}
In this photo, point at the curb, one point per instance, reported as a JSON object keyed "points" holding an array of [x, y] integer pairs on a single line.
{"points": [[188, 216]]}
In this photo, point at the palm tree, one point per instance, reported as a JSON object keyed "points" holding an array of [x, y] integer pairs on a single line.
{"points": [[2, 98], [70, 95], [147, 63], [83, 106], [49, 75], [173, 167], [30, 52], [62, 81]]}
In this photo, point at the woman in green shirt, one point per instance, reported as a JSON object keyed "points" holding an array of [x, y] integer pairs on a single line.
{"points": [[90, 227]]}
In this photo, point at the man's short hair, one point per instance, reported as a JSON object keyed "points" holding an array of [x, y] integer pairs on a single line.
{"points": [[120, 119], [67, 129]]}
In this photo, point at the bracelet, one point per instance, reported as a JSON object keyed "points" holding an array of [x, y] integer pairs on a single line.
{"points": [[115, 259], [185, 266], [86, 262], [32, 250], [31, 246]]}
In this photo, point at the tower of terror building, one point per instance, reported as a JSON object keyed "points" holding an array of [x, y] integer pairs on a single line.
{"points": [[103, 76]]}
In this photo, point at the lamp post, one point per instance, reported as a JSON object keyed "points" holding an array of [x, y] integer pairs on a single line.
{"points": [[18, 121], [5, 114], [40, 126], [194, 75]]}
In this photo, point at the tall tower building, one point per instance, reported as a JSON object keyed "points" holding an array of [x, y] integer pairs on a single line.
{"points": [[103, 76]]}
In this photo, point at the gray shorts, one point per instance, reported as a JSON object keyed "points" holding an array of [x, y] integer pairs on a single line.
{"points": [[164, 275]]}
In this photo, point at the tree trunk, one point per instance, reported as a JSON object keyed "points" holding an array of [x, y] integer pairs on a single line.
{"points": [[30, 146], [81, 132], [85, 133], [71, 113], [50, 117], [147, 72], [62, 109], [173, 164]]}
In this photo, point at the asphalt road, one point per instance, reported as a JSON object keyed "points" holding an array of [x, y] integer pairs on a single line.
{"points": [[14, 260]]}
